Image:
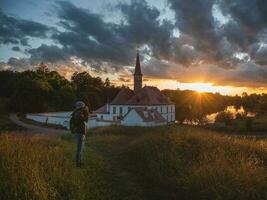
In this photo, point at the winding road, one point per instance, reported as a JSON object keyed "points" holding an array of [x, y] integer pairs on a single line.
{"points": [[36, 129]]}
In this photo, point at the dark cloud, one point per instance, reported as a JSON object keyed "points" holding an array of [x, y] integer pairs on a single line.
{"points": [[48, 54], [258, 53], [89, 37], [209, 42], [14, 30], [16, 48], [219, 44], [19, 64], [144, 27], [194, 18], [252, 14]]}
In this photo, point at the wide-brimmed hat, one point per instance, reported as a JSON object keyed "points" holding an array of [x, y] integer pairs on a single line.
{"points": [[79, 104]]}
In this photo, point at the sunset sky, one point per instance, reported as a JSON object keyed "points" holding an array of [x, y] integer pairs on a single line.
{"points": [[203, 45]]}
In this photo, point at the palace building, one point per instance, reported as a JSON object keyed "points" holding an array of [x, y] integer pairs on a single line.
{"points": [[142, 106]]}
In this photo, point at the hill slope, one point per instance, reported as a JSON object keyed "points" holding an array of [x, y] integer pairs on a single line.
{"points": [[134, 163]]}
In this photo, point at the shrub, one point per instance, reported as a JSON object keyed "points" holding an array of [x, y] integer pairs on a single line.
{"points": [[249, 124], [224, 117]]}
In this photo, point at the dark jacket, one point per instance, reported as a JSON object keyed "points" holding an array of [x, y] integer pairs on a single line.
{"points": [[81, 116]]}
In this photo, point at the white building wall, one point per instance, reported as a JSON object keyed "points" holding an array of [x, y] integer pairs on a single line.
{"points": [[62, 118], [167, 111], [59, 119], [133, 119]]}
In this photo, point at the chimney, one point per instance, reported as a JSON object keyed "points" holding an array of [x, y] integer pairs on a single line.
{"points": [[146, 113], [153, 114], [137, 75], [107, 104]]}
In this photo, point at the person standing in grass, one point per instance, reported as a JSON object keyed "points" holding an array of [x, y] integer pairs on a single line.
{"points": [[77, 127]]}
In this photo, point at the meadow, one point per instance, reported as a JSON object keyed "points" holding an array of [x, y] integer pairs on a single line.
{"points": [[171, 162]]}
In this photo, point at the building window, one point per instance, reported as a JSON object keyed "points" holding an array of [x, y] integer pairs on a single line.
{"points": [[167, 109], [160, 109], [120, 110], [101, 117], [114, 110]]}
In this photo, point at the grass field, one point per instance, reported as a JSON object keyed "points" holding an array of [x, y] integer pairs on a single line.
{"points": [[172, 162]]}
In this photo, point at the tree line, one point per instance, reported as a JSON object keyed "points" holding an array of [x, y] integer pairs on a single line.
{"points": [[43, 91]]}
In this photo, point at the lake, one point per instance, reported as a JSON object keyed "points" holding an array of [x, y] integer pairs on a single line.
{"points": [[233, 110]]}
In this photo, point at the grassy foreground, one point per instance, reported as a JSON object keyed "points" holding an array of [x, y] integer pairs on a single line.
{"points": [[134, 163]]}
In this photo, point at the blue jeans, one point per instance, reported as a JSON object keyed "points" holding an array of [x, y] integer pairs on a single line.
{"points": [[80, 144]]}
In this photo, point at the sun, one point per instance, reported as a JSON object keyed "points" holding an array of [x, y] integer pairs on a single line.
{"points": [[202, 87]]}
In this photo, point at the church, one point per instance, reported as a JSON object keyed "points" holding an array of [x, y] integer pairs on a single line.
{"points": [[142, 106]]}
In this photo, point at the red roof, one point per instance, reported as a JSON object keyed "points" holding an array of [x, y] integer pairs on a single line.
{"points": [[149, 96], [123, 96], [146, 96], [102, 110], [151, 115]]}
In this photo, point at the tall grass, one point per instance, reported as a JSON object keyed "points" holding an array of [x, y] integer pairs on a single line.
{"points": [[39, 167], [194, 164], [134, 163]]}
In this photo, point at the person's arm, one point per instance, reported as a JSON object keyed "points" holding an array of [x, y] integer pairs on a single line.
{"points": [[85, 114]]}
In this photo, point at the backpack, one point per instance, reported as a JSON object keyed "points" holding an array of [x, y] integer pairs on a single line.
{"points": [[73, 124]]}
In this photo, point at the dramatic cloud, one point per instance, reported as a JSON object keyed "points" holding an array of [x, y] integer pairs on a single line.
{"points": [[48, 54], [89, 37], [223, 41], [17, 31]]}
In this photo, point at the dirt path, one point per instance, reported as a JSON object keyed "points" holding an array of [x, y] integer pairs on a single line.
{"points": [[35, 129]]}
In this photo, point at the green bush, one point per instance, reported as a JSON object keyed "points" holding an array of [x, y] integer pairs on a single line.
{"points": [[224, 117]]}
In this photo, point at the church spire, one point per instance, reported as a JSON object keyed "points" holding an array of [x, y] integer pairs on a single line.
{"points": [[137, 70], [137, 75]]}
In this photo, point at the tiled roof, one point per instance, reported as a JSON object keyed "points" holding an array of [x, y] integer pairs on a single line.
{"points": [[101, 110], [123, 96], [146, 96], [149, 115]]}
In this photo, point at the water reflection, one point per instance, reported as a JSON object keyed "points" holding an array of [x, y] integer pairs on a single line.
{"points": [[233, 110]]}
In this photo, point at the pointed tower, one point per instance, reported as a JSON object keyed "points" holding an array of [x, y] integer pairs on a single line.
{"points": [[137, 75]]}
